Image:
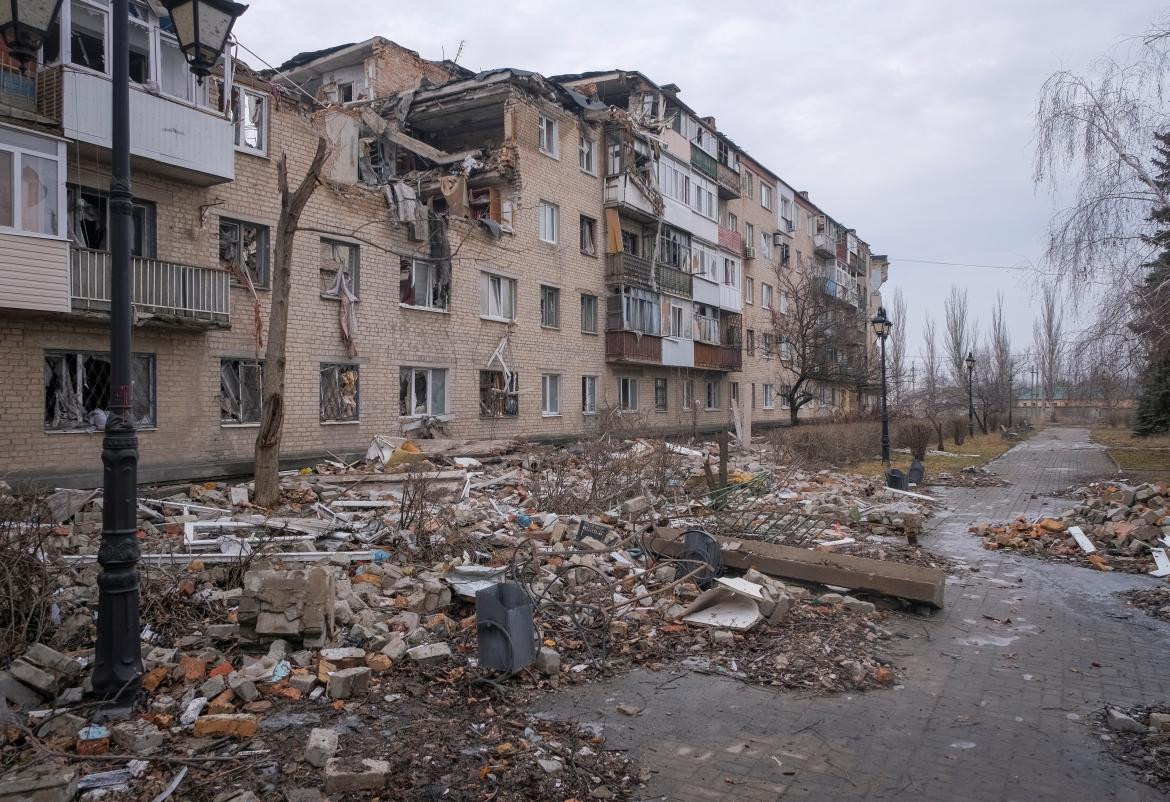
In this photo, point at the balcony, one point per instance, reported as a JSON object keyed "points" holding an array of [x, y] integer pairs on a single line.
{"points": [[728, 181], [623, 193], [171, 293], [633, 347], [704, 162], [192, 144], [17, 91], [626, 268], [718, 357], [731, 240], [825, 246]]}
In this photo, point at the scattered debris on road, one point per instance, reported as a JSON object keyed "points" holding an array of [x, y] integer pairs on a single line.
{"points": [[1140, 737], [1154, 601]]}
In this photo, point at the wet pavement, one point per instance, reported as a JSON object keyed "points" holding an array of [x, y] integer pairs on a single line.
{"points": [[997, 691]]}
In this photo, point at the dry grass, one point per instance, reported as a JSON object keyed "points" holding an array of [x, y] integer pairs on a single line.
{"points": [[1146, 454], [983, 447]]}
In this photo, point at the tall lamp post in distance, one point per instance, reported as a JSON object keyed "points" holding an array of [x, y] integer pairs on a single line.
{"points": [[881, 326], [970, 360], [202, 27]]}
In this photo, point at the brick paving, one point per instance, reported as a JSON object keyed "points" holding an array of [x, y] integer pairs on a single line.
{"points": [[986, 711]]}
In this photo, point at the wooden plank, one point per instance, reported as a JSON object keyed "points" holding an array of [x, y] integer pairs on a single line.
{"points": [[826, 568], [354, 478]]}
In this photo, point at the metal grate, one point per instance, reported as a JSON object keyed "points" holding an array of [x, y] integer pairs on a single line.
{"points": [[339, 393], [741, 510], [77, 391]]}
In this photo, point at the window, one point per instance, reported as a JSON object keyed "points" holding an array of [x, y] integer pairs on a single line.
{"points": [[751, 342], [139, 39], [589, 395], [732, 221], [77, 391], [749, 233], [785, 302], [765, 195], [678, 326], [497, 394], [339, 269], [345, 92], [641, 311], [588, 314], [89, 222], [629, 243], [240, 390], [422, 391], [786, 214], [766, 244], [766, 296], [87, 38], [627, 393], [497, 297], [588, 236], [550, 394], [784, 402], [676, 182], [730, 273], [749, 289], [249, 113], [688, 396], [769, 397], [660, 395], [32, 182], [768, 340], [550, 307], [243, 247], [548, 138], [712, 395], [748, 183], [706, 324], [339, 393], [586, 154], [549, 221], [424, 284], [735, 392]]}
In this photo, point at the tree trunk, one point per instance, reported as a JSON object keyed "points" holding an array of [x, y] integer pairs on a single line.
{"points": [[267, 468], [722, 438], [938, 428], [793, 413]]}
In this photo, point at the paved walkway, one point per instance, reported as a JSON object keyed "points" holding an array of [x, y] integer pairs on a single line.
{"points": [[987, 711]]}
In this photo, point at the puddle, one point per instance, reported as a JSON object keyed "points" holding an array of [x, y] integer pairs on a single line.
{"points": [[987, 640], [963, 745]]}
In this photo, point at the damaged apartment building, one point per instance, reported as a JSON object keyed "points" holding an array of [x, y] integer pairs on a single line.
{"points": [[493, 254]]}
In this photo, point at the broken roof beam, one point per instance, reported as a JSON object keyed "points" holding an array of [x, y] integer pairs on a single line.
{"points": [[428, 152]]}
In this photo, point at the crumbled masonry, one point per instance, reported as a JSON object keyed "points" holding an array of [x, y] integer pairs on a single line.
{"points": [[330, 645]]}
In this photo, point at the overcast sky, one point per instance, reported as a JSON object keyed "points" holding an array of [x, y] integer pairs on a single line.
{"points": [[909, 120]]}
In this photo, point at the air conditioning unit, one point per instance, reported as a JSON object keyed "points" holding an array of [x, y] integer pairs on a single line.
{"points": [[777, 238], [749, 252]]}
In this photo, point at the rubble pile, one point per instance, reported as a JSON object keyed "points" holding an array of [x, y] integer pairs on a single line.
{"points": [[1140, 737], [971, 476], [1116, 527], [1154, 601], [286, 648]]}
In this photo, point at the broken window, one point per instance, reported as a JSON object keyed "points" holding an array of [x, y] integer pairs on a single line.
{"points": [[345, 92], [550, 394], [89, 222], [588, 313], [641, 311], [244, 246], [139, 43], [249, 114], [766, 296], [549, 222], [87, 40], [706, 324], [174, 75], [497, 297], [589, 394], [77, 390], [240, 390], [688, 396], [550, 307], [629, 243], [585, 154], [588, 236], [751, 342], [627, 393], [497, 397], [30, 192], [422, 391], [339, 268], [660, 395], [424, 284], [769, 397], [713, 395], [339, 393], [548, 137], [768, 348]]}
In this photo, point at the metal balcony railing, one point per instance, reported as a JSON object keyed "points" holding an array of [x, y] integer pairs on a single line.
{"points": [[626, 268], [703, 161], [633, 346], [17, 90], [728, 180], [182, 293]]}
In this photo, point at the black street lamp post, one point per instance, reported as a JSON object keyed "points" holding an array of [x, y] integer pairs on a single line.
{"points": [[202, 27], [882, 326], [970, 360]]}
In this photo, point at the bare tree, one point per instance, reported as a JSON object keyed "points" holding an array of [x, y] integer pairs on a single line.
{"points": [[819, 338], [933, 400], [999, 358], [1048, 337], [959, 337], [292, 204], [897, 355]]}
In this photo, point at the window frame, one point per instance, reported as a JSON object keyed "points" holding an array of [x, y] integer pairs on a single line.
{"points": [[151, 361], [548, 142], [357, 396], [554, 216], [240, 363], [508, 387], [766, 195], [57, 157], [550, 307], [485, 282], [265, 266], [769, 396], [766, 296], [627, 394], [355, 266], [589, 394], [430, 373], [550, 381], [588, 225], [713, 385], [238, 123], [432, 267], [592, 319], [587, 155], [688, 394], [749, 290], [661, 394]]}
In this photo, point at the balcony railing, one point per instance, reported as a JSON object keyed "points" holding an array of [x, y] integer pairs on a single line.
{"points": [[718, 357], [17, 90], [703, 161], [173, 292], [728, 181], [633, 346], [730, 239], [730, 357], [824, 245], [634, 270]]}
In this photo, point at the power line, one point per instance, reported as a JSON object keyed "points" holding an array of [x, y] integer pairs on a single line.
{"points": [[894, 259]]}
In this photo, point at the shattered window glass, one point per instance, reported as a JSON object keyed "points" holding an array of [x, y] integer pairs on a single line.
{"points": [[248, 112], [424, 284], [589, 314], [550, 307], [240, 390], [244, 246], [77, 391], [339, 393], [497, 398], [422, 391], [589, 394], [339, 268]]}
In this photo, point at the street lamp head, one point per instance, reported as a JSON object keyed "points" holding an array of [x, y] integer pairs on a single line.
{"points": [[881, 323], [24, 25], [970, 360], [202, 28]]}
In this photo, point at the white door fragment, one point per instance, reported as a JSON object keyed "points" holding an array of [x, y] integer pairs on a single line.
{"points": [[1079, 536], [731, 605], [1162, 561]]}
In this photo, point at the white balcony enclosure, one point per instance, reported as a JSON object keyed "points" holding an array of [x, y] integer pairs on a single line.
{"points": [[678, 351]]}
